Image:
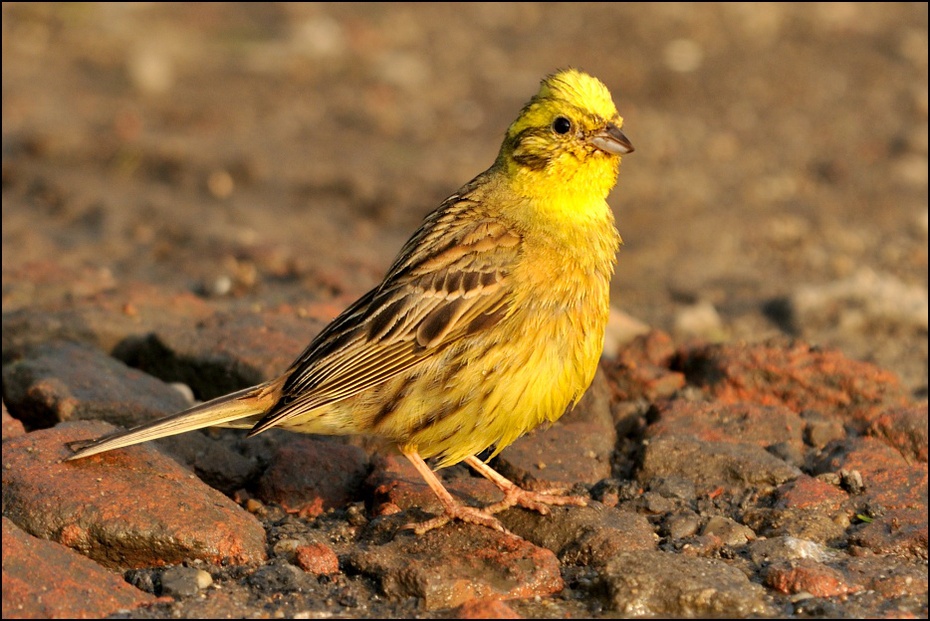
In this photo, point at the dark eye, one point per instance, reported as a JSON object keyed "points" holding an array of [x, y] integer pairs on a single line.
{"points": [[561, 125]]}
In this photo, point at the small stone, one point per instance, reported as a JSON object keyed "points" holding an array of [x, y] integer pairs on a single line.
{"points": [[317, 558], [731, 533], [681, 525], [184, 581]]}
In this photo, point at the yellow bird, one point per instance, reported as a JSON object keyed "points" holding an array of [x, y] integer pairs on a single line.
{"points": [[489, 322]]}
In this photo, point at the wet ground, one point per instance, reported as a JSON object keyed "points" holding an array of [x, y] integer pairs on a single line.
{"points": [[199, 171]]}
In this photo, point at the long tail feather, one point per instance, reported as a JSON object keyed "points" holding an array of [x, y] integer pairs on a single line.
{"points": [[219, 412]]}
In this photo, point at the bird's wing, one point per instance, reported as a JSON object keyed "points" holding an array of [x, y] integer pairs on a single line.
{"points": [[451, 280]]}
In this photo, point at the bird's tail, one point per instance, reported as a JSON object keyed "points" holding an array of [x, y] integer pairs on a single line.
{"points": [[239, 409]]}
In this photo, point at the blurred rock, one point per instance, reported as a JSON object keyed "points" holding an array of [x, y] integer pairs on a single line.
{"points": [[860, 301], [397, 486], [641, 368], [795, 375], [739, 422], [184, 581], [485, 609]]}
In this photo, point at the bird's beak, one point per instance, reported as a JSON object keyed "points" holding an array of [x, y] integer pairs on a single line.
{"points": [[612, 140]]}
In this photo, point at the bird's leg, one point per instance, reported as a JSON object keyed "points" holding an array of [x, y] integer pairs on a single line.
{"points": [[516, 495], [451, 508]]}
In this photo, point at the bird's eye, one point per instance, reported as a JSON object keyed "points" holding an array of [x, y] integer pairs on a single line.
{"points": [[561, 125]]}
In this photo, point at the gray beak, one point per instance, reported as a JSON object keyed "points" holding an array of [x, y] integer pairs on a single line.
{"points": [[612, 140]]}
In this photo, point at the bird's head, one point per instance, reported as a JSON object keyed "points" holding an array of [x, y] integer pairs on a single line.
{"points": [[568, 133]]}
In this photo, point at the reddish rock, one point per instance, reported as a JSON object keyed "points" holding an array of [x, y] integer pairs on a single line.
{"points": [[795, 375], [131, 507], [396, 486], [44, 580], [898, 488], [641, 369], [900, 531], [309, 476], [888, 479], [889, 577], [867, 455], [894, 494], [808, 576], [656, 348], [905, 429], [809, 493], [317, 558]]}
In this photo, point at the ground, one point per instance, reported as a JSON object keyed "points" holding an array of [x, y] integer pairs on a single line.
{"points": [[276, 156]]}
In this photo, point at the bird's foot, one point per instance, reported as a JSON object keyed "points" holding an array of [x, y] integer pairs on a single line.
{"points": [[534, 501], [471, 515]]}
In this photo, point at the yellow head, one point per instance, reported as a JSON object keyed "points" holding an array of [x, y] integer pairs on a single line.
{"points": [[568, 135]]}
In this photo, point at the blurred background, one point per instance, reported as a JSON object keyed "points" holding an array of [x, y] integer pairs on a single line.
{"points": [[282, 153]]}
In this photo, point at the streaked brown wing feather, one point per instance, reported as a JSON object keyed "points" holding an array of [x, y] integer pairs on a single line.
{"points": [[450, 280]]}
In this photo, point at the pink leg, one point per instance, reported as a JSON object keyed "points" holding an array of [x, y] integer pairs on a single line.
{"points": [[451, 508]]}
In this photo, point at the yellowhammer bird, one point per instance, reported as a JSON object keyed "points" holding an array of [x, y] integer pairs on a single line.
{"points": [[490, 321]]}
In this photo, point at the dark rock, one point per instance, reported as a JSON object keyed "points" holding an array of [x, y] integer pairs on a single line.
{"points": [[12, 427], [279, 577], [309, 476], [60, 381], [736, 422], [711, 464], [662, 584], [582, 535], [458, 563]]}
